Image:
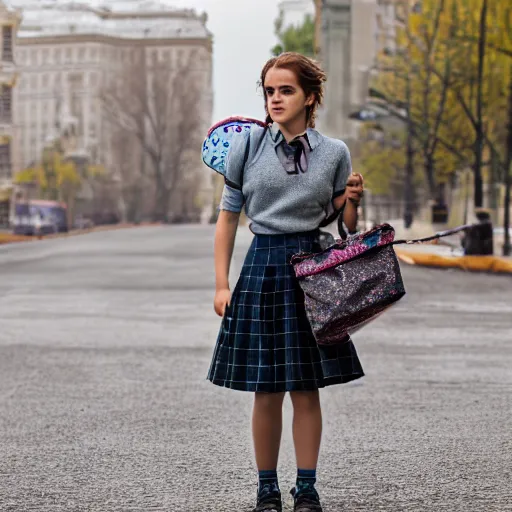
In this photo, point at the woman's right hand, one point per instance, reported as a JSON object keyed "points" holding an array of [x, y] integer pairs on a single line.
{"points": [[221, 301]]}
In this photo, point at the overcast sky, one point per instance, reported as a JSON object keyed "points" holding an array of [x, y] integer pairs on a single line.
{"points": [[243, 33]]}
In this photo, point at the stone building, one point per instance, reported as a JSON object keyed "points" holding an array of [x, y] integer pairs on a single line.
{"points": [[9, 22], [69, 52]]}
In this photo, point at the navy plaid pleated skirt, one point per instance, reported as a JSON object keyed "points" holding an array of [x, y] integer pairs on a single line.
{"points": [[265, 343]]}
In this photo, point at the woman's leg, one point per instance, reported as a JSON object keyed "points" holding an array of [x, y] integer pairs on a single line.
{"points": [[307, 427], [307, 433], [267, 424]]}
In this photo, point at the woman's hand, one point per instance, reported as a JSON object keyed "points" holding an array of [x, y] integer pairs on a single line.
{"points": [[221, 301], [355, 188]]}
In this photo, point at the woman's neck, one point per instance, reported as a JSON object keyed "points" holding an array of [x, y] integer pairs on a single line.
{"points": [[293, 129]]}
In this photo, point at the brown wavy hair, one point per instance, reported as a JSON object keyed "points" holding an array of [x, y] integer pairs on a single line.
{"points": [[310, 75]]}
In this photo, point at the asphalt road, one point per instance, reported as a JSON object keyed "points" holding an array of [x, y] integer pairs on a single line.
{"points": [[105, 342]]}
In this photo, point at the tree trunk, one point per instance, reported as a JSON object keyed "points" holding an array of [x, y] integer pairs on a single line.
{"points": [[409, 169], [479, 125], [162, 201], [133, 197], [508, 177], [433, 188]]}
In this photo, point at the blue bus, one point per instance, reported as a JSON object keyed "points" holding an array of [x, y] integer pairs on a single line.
{"points": [[39, 217]]}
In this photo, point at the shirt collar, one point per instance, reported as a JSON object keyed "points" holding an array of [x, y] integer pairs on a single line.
{"points": [[310, 135]]}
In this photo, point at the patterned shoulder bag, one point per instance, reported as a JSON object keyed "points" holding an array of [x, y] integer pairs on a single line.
{"points": [[352, 281]]}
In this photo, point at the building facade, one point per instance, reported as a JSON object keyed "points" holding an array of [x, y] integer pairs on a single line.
{"points": [[351, 35], [69, 53], [9, 22]]}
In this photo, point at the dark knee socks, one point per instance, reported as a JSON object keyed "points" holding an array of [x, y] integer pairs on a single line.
{"points": [[267, 481], [305, 484], [306, 479]]}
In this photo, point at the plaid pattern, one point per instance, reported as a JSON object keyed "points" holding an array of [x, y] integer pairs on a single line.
{"points": [[265, 343]]}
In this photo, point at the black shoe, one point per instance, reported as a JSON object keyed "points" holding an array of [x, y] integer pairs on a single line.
{"points": [[269, 500], [306, 501]]}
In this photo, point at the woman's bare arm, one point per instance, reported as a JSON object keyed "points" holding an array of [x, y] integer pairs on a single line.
{"points": [[351, 199], [227, 224], [350, 216]]}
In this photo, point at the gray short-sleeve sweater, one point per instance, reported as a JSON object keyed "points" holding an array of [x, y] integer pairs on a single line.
{"points": [[276, 201]]}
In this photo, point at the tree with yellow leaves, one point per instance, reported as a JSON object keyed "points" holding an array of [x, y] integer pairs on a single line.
{"points": [[58, 178], [448, 78], [482, 37], [380, 159], [420, 97]]}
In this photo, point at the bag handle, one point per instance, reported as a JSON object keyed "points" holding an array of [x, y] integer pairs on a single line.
{"points": [[441, 234]]}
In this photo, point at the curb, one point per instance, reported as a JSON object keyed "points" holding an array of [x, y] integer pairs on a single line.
{"points": [[493, 264], [15, 239]]}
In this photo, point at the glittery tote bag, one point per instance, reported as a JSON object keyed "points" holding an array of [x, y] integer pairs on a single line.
{"points": [[352, 281]]}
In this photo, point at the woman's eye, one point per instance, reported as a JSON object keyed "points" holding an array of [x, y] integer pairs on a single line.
{"points": [[288, 91], [270, 92]]}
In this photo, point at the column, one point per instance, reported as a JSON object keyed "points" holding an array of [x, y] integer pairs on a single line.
{"points": [[336, 57]]}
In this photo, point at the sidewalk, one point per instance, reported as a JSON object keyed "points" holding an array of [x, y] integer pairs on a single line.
{"points": [[446, 252], [7, 237]]}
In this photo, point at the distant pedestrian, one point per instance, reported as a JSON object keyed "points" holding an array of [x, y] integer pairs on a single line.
{"points": [[38, 225], [292, 181], [478, 239]]}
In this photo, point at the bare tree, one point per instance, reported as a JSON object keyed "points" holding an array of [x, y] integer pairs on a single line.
{"points": [[126, 153], [160, 104]]}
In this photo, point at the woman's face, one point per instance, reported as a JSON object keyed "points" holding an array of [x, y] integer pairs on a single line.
{"points": [[286, 100]]}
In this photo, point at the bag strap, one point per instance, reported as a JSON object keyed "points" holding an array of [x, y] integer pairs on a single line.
{"points": [[441, 234], [246, 154]]}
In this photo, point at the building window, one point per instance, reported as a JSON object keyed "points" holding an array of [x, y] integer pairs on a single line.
{"points": [[81, 55], [5, 160], [7, 53], [45, 80], [46, 56], [58, 55], [69, 54], [6, 104]]}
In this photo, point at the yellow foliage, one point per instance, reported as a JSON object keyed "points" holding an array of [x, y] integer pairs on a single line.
{"points": [[31, 175], [380, 163], [432, 74], [65, 171], [96, 171], [56, 175]]}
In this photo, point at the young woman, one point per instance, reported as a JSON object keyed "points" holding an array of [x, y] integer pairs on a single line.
{"points": [[291, 180]]}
